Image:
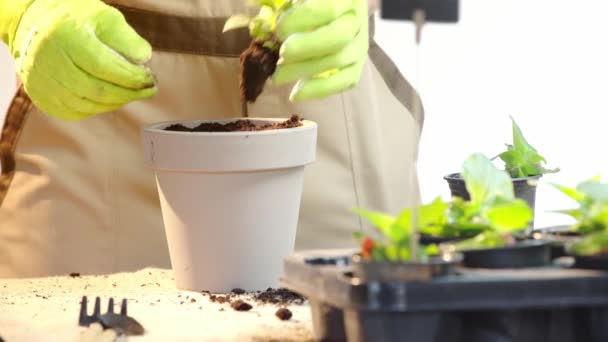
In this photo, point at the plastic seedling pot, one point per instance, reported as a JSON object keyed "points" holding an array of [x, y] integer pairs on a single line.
{"points": [[230, 201], [385, 271], [559, 237], [529, 253], [599, 262], [524, 188]]}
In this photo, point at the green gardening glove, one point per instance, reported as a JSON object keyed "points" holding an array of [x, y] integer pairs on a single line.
{"points": [[76, 58], [325, 45]]}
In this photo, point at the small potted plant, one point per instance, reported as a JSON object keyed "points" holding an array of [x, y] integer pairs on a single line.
{"points": [[522, 162], [587, 238], [498, 216], [228, 188]]}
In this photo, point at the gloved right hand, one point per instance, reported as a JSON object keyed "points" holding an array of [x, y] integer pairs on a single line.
{"points": [[76, 58]]}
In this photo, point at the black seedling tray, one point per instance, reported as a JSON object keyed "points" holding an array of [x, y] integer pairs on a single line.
{"points": [[548, 304]]}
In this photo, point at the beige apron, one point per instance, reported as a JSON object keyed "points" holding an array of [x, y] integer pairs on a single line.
{"points": [[77, 197]]}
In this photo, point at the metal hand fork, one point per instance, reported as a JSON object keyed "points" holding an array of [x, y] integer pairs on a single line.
{"points": [[121, 323]]}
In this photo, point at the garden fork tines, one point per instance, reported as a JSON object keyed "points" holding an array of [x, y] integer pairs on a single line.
{"points": [[122, 323]]}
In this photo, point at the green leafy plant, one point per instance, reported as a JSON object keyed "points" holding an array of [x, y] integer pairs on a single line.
{"points": [[521, 159], [493, 209], [595, 244], [262, 26], [393, 244], [591, 216], [490, 217]]}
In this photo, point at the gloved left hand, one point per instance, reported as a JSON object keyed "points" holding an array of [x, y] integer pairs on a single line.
{"points": [[325, 45], [76, 58]]}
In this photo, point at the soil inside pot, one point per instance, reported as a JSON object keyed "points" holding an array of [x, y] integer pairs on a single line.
{"points": [[243, 125], [258, 63]]}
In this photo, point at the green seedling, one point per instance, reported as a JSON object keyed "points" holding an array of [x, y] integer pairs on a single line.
{"points": [[262, 26], [395, 234], [521, 159], [490, 218], [591, 216], [258, 62], [493, 209]]}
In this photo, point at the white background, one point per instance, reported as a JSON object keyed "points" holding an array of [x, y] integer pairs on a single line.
{"points": [[544, 61]]}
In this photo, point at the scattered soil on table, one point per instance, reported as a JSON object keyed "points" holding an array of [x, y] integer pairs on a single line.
{"points": [[284, 314], [240, 305], [258, 63], [239, 291], [75, 275], [279, 296], [242, 125], [220, 299]]}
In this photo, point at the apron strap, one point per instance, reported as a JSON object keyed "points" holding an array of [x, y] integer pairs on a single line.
{"points": [[401, 89], [13, 126], [187, 35]]}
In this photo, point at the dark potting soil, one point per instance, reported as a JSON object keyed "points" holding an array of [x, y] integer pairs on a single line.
{"points": [[284, 314], [258, 63], [243, 125]]}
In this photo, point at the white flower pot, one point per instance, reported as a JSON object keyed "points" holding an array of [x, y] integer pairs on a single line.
{"points": [[230, 201]]}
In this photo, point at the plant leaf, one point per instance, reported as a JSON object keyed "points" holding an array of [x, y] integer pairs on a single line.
{"points": [[521, 159], [483, 240], [595, 190], [381, 221], [484, 181], [237, 21], [591, 245], [570, 192], [574, 213], [510, 216], [358, 236], [402, 226], [433, 213]]}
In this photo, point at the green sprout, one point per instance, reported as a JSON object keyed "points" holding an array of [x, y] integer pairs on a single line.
{"points": [[521, 159], [262, 26]]}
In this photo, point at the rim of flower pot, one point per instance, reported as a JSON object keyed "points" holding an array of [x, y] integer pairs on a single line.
{"points": [[159, 127], [458, 177]]}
